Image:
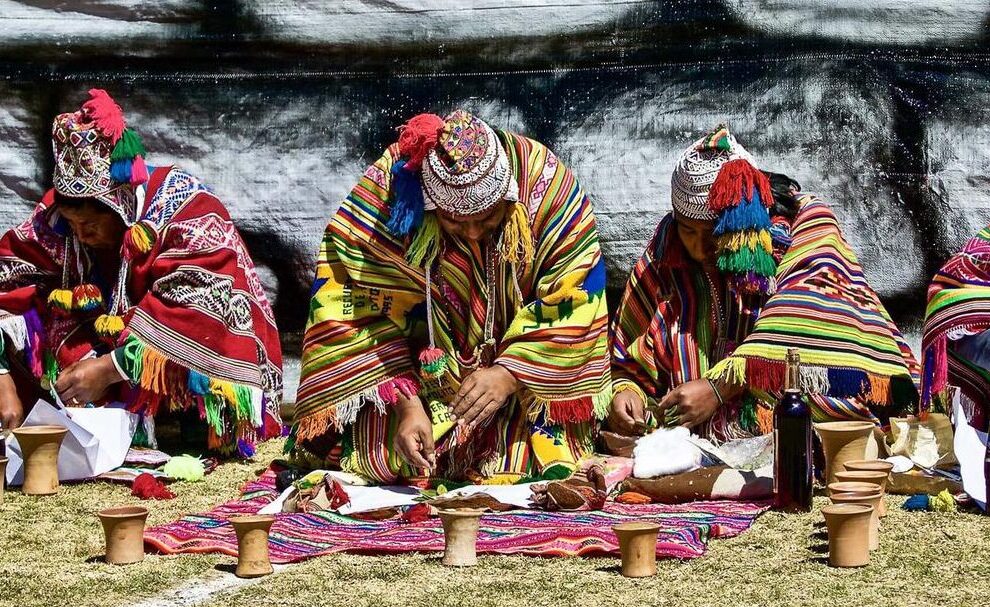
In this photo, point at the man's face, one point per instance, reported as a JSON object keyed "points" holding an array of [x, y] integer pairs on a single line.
{"points": [[473, 227], [94, 225], [697, 236]]}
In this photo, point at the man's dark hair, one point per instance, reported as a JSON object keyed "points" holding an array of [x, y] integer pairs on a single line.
{"points": [[784, 188], [72, 202]]}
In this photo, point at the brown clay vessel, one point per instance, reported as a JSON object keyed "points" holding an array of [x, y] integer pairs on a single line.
{"points": [[638, 546], [842, 442], [848, 534], [252, 545], [874, 465], [874, 477], [460, 536], [123, 528], [867, 499], [39, 448]]}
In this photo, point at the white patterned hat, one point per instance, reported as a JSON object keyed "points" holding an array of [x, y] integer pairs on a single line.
{"points": [[696, 170]]}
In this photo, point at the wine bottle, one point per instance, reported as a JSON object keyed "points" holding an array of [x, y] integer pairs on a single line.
{"points": [[792, 465]]}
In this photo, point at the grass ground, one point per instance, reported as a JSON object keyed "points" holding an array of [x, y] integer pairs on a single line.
{"points": [[50, 549]]}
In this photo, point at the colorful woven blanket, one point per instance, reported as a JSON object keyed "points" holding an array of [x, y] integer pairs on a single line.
{"points": [[684, 530]]}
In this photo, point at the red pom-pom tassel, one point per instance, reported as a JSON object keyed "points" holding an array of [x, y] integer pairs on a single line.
{"points": [[104, 112], [736, 181], [417, 137]]}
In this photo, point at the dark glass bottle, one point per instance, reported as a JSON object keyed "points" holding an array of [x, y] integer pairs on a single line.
{"points": [[792, 465]]}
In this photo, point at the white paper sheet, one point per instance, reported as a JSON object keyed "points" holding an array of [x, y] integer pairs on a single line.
{"points": [[364, 499], [970, 446], [513, 495], [97, 441]]}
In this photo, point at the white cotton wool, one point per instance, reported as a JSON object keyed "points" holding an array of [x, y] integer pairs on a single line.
{"points": [[665, 451]]}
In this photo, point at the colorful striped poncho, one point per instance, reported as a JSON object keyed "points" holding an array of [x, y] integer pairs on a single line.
{"points": [[676, 324], [367, 324], [958, 311], [198, 331]]}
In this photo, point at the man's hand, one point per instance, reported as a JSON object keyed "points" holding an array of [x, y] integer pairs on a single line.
{"points": [[690, 404], [483, 393], [11, 407], [627, 410], [86, 381], [414, 434]]}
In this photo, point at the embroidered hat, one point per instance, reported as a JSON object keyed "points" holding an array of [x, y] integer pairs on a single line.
{"points": [[97, 156], [468, 171], [696, 170]]}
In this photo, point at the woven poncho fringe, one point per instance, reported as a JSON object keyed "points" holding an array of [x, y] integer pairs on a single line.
{"points": [[958, 305], [849, 345]]}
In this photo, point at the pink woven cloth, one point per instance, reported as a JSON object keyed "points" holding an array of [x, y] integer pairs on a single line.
{"points": [[685, 530]]}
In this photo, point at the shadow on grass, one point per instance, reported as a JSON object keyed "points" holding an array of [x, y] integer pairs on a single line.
{"points": [[230, 568]]}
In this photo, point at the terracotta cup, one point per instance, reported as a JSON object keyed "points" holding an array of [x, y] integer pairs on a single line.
{"points": [[867, 499], [252, 544], [874, 477], [3, 476], [848, 534], [638, 546], [851, 487], [842, 442], [460, 536], [39, 448], [123, 528], [873, 465]]}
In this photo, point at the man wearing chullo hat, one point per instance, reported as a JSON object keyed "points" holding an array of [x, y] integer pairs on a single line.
{"points": [[743, 268], [129, 284], [458, 325]]}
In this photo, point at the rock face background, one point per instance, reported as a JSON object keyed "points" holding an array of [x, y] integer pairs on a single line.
{"points": [[883, 108]]}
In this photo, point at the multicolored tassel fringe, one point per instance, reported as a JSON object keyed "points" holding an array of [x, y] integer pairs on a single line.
{"points": [[87, 298], [139, 239], [60, 300], [433, 363], [741, 195], [109, 325]]}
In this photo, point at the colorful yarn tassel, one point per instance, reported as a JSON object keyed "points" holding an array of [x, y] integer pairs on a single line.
{"points": [[433, 362], [717, 140], [516, 245], [60, 300], [109, 325], [417, 137], [407, 207], [139, 239], [86, 298], [128, 147], [139, 171], [425, 245], [105, 114], [127, 159], [198, 383]]}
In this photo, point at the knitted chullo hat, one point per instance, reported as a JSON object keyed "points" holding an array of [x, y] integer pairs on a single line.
{"points": [[97, 156], [458, 165], [717, 180]]}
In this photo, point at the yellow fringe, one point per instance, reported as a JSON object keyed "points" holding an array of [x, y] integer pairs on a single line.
{"points": [[764, 419], [516, 245], [749, 239], [879, 388], [109, 325], [61, 299], [153, 371], [731, 370], [140, 238]]}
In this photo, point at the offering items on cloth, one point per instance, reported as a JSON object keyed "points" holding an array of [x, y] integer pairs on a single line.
{"points": [[131, 284], [495, 227], [711, 483], [736, 275]]}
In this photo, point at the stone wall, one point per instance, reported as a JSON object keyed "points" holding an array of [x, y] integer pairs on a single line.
{"points": [[880, 107]]}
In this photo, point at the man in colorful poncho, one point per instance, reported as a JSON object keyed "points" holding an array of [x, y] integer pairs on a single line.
{"points": [[730, 281], [458, 324], [956, 345], [130, 284]]}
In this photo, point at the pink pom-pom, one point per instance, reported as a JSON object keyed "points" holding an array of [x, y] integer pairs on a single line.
{"points": [[104, 112], [417, 137], [139, 171]]}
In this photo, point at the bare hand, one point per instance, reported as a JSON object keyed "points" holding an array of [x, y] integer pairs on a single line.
{"points": [[86, 381], [11, 407], [690, 404], [414, 434], [627, 410], [483, 393]]}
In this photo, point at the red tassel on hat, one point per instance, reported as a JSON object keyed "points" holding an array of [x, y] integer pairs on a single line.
{"points": [[735, 182], [417, 137], [139, 171], [105, 114]]}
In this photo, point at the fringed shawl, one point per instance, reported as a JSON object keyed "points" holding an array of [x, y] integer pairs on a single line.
{"points": [[198, 328], [664, 332], [367, 324], [958, 307]]}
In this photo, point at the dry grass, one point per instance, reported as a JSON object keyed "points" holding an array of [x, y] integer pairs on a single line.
{"points": [[47, 546]]}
